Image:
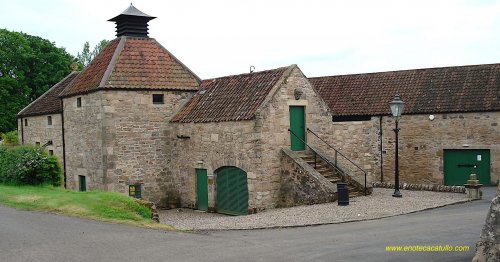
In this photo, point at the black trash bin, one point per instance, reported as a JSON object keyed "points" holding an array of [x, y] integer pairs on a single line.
{"points": [[343, 192]]}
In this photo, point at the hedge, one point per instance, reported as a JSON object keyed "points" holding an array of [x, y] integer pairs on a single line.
{"points": [[29, 165]]}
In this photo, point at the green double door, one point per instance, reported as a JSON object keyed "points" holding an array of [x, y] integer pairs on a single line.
{"points": [[232, 191], [460, 163], [201, 189], [298, 127]]}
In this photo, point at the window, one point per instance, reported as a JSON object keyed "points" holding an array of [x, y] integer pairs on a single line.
{"points": [[25, 122], [157, 98], [134, 190], [49, 120], [350, 118], [78, 102], [51, 152]]}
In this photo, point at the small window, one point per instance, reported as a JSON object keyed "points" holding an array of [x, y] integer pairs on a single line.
{"points": [[51, 152], [158, 99], [49, 120], [78, 102], [134, 190], [350, 118], [25, 122], [37, 143]]}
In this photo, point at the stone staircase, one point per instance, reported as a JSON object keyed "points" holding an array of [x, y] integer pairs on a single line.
{"points": [[328, 172]]}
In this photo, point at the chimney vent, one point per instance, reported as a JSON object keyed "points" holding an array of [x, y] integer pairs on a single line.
{"points": [[132, 22]]}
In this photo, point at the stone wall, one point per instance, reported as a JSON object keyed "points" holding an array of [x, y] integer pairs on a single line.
{"points": [[356, 143], [211, 146], [84, 141], [138, 140], [301, 184], [421, 143], [39, 131], [488, 247], [118, 138]]}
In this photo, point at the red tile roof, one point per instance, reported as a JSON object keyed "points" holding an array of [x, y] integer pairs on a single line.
{"points": [[134, 63], [433, 90], [49, 102], [230, 98]]}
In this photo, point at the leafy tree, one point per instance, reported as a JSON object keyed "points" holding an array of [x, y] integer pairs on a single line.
{"points": [[29, 66], [86, 56], [10, 138]]}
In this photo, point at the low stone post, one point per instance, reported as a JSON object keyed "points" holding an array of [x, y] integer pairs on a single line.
{"points": [[211, 192], [473, 187]]}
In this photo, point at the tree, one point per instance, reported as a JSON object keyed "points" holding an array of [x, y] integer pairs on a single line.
{"points": [[10, 138], [29, 66], [86, 56]]}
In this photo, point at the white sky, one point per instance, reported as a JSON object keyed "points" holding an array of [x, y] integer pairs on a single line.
{"points": [[324, 37]]}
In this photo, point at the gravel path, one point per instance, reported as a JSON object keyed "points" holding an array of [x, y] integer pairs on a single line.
{"points": [[379, 204]]}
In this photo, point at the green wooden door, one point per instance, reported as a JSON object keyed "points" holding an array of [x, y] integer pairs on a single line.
{"points": [[201, 189], [298, 126], [232, 191], [460, 163], [82, 183]]}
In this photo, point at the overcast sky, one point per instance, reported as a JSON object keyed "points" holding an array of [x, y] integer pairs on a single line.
{"points": [[223, 37]]}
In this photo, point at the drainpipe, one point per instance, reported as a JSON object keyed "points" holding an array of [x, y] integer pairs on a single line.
{"points": [[63, 143], [22, 131], [381, 151]]}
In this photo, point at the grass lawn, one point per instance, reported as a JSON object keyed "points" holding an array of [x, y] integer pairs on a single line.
{"points": [[103, 206]]}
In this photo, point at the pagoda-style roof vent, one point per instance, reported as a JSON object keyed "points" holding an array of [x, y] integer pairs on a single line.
{"points": [[132, 22]]}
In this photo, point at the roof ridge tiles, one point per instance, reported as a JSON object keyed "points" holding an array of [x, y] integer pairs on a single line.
{"points": [[246, 74], [406, 70]]}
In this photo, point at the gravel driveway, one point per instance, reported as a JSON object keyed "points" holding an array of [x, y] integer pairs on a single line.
{"points": [[379, 204]]}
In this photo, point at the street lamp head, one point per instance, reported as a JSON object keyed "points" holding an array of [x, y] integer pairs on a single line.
{"points": [[397, 106]]}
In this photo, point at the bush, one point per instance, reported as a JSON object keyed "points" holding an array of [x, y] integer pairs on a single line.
{"points": [[10, 138], [29, 165]]}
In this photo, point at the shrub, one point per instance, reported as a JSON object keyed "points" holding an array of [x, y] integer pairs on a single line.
{"points": [[29, 165], [11, 138]]}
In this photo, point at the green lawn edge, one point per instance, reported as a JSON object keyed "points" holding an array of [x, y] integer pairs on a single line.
{"points": [[110, 207]]}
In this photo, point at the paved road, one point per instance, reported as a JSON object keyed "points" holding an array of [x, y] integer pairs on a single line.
{"points": [[34, 236]]}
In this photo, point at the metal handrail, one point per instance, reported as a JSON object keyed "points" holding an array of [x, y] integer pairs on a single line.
{"points": [[343, 174], [338, 152]]}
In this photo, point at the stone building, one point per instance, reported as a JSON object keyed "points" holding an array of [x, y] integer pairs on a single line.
{"points": [[241, 123], [140, 122], [116, 112], [40, 123], [449, 128]]}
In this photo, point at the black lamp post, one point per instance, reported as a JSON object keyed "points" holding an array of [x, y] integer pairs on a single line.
{"points": [[397, 109]]}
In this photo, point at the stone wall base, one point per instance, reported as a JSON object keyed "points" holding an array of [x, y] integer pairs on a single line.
{"points": [[422, 187], [301, 184]]}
